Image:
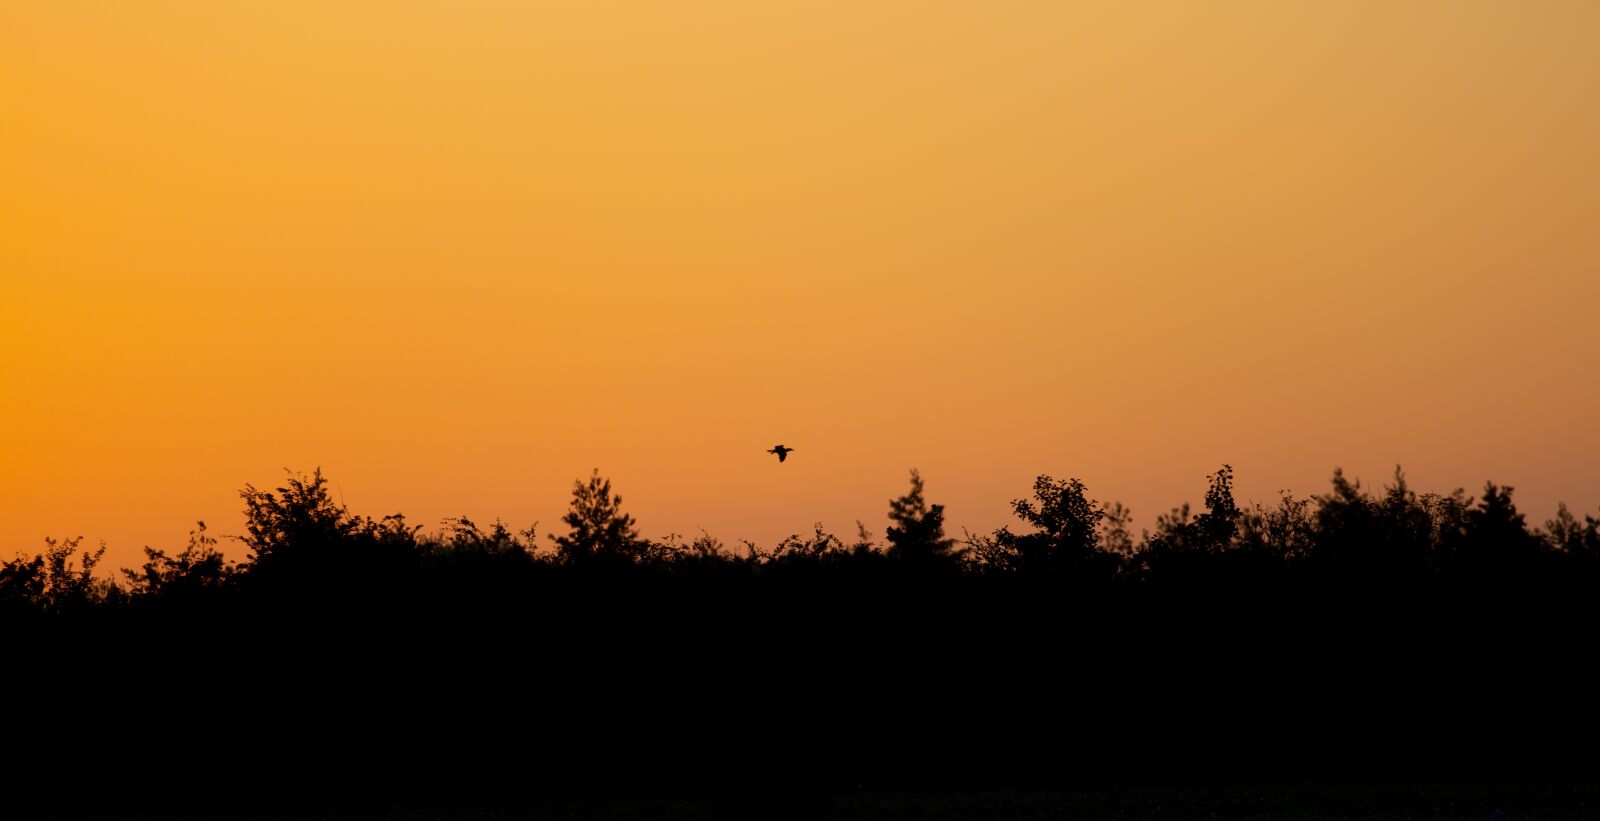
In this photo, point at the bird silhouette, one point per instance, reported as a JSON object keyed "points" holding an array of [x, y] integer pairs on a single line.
{"points": [[783, 452]]}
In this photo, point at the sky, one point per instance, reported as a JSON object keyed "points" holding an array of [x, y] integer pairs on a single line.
{"points": [[459, 254]]}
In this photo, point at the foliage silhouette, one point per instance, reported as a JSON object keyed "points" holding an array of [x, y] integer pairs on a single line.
{"points": [[600, 531], [197, 570], [1396, 634], [1572, 537], [1064, 543], [52, 581], [917, 534]]}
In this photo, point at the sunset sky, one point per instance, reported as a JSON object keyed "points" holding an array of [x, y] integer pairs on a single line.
{"points": [[458, 254]]}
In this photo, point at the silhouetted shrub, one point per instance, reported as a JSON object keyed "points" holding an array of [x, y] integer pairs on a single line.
{"points": [[1209, 532], [1064, 542], [917, 535], [600, 531], [1286, 531], [1496, 537], [52, 580], [199, 569], [1576, 538]]}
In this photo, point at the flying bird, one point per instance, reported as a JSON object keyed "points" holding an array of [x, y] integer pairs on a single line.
{"points": [[783, 452]]}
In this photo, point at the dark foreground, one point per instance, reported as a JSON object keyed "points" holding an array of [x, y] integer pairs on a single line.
{"points": [[925, 703], [1402, 656], [1356, 801]]}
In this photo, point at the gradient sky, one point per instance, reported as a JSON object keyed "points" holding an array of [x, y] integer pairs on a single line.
{"points": [[459, 253]]}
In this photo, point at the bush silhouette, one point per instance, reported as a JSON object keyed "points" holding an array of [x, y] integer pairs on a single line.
{"points": [[52, 581], [917, 535], [1572, 537], [1389, 634], [600, 531], [199, 569], [1064, 542]]}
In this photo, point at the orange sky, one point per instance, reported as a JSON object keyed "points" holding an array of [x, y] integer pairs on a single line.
{"points": [[457, 254]]}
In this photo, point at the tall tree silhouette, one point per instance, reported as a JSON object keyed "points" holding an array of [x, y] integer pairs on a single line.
{"points": [[917, 534], [1220, 522], [599, 528], [1496, 534]]}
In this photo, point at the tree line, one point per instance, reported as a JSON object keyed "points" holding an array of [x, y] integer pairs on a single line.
{"points": [[1363, 632], [298, 537]]}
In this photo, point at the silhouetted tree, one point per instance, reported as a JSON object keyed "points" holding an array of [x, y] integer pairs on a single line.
{"points": [[283, 526], [52, 580], [1575, 538], [1065, 539], [1345, 522], [1385, 540], [1218, 524], [300, 539], [917, 534], [599, 528], [200, 567], [1409, 527], [1496, 533], [1116, 534], [1209, 532], [1287, 531]]}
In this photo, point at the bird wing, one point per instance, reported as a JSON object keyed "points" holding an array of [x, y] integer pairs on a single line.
{"points": [[782, 455]]}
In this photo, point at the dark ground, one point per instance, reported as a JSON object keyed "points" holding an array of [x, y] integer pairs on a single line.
{"points": [[1354, 801]]}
